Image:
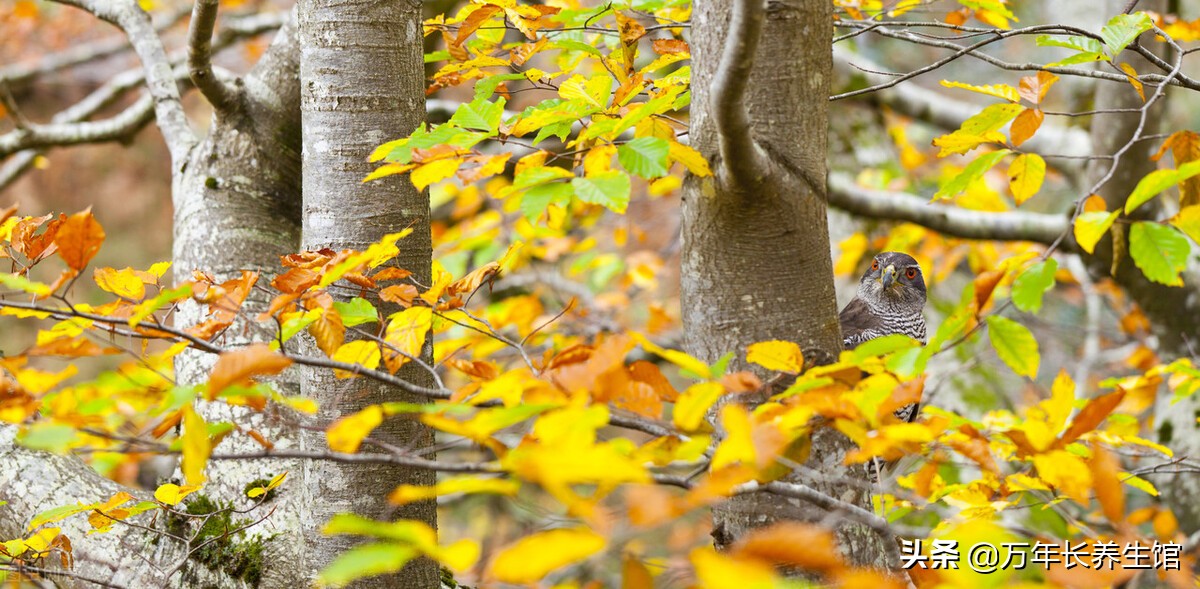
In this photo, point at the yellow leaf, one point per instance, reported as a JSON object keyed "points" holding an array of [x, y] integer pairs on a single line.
{"points": [[1188, 221], [1025, 176], [172, 494], [719, 571], [960, 142], [405, 333], [388, 170], [347, 433], [196, 446], [998, 90], [435, 171], [1066, 472], [599, 159], [533, 557], [680, 359], [159, 268], [363, 353], [852, 249], [123, 283], [777, 355], [1090, 228], [738, 445], [693, 404], [463, 484], [1132, 75], [689, 157]]}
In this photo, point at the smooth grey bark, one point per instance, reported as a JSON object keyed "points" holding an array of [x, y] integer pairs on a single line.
{"points": [[362, 80], [755, 261]]}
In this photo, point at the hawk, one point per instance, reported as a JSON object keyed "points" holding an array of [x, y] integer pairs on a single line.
{"points": [[890, 299]]}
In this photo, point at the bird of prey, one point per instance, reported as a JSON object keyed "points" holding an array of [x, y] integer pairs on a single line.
{"points": [[890, 299]]}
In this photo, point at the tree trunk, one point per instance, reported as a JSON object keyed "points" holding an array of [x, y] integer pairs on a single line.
{"points": [[361, 71], [756, 257]]}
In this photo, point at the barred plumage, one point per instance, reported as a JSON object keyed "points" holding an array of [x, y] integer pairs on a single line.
{"points": [[890, 299]]}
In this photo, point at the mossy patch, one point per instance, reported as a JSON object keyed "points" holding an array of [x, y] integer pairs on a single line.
{"points": [[220, 544]]}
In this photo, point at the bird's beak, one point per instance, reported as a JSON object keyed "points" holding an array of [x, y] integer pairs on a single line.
{"points": [[889, 276]]}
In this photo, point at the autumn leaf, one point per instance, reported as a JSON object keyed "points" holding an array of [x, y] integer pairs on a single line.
{"points": [[1025, 176], [79, 239], [347, 433], [805, 546], [405, 335], [1014, 344], [239, 365], [196, 446], [533, 557], [777, 355], [172, 494], [364, 353]]}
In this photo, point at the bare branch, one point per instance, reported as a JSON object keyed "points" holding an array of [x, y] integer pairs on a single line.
{"points": [[741, 156], [951, 220], [120, 126], [200, 32], [128, 16], [21, 75]]}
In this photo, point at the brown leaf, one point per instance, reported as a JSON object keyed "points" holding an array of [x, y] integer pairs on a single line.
{"points": [[241, 364], [390, 273], [308, 259], [734, 382], [521, 53], [1092, 415], [279, 303], [467, 284], [6, 213], [35, 247], [1034, 88], [631, 31], [634, 574], [480, 369]]}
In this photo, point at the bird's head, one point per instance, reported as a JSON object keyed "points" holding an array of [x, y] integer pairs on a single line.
{"points": [[894, 280]]}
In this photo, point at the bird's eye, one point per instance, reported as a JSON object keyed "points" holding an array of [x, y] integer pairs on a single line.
{"points": [[911, 273], [875, 265]]}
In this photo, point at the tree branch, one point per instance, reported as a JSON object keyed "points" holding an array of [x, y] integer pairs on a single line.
{"points": [[951, 220], [741, 156], [200, 32], [21, 75], [128, 122], [135, 23]]}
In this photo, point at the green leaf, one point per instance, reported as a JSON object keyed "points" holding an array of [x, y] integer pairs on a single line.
{"points": [[535, 200], [58, 514], [52, 437], [1015, 345], [974, 171], [367, 560], [1157, 181], [1123, 29], [486, 87], [23, 284], [479, 114], [1075, 42], [1160, 251], [1091, 226], [296, 324], [610, 189], [882, 346], [1034, 282], [645, 156], [356, 312]]}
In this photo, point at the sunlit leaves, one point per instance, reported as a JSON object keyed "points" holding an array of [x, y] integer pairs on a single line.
{"points": [[479, 114], [693, 405], [1188, 221], [346, 434], [1160, 251], [262, 490], [1014, 344], [405, 336], [533, 557], [610, 189], [395, 544], [464, 484]]}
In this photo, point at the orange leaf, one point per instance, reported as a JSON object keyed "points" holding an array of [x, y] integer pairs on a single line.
{"points": [[1025, 125], [801, 545], [295, 281], [1106, 471], [1092, 415], [467, 284], [328, 331], [401, 294], [665, 46], [237, 366], [474, 21], [390, 273], [985, 284], [79, 239], [1034, 88]]}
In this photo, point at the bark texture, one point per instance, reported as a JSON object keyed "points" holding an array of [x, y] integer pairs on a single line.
{"points": [[756, 261], [361, 70]]}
